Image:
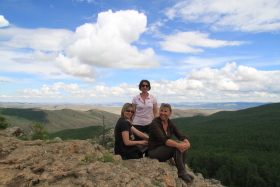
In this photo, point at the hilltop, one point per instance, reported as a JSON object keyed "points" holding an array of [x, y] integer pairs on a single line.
{"points": [[56, 120], [74, 163]]}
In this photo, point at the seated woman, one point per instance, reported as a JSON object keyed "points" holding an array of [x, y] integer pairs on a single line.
{"points": [[124, 146], [161, 145]]}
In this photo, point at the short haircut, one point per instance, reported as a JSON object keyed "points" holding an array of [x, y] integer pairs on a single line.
{"points": [[166, 105], [144, 80]]}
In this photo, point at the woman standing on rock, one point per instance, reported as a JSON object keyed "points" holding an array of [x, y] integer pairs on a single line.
{"points": [[161, 145], [146, 108], [124, 146]]}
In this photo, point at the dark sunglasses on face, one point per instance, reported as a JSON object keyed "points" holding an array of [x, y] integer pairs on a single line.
{"points": [[130, 111], [143, 85]]}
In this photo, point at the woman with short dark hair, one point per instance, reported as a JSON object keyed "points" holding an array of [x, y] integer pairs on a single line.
{"points": [[146, 108], [161, 145]]}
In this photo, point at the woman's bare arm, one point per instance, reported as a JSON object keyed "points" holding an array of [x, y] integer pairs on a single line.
{"points": [[139, 133], [155, 109], [128, 142]]}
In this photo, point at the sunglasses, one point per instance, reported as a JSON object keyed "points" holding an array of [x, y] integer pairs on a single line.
{"points": [[130, 111], [143, 85]]}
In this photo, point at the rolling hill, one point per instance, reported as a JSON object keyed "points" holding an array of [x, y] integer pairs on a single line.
{"points": [[65, 118], [56, 120]]}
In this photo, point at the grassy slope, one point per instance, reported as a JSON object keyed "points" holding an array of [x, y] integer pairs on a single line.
{"points": [[56, 120]]}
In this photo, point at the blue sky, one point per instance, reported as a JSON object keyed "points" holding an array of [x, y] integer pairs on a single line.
{"points": [[97, 51]]}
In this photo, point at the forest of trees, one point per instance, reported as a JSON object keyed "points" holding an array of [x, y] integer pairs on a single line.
{"points": [[239, 148], [30, 114], [80, 133]]}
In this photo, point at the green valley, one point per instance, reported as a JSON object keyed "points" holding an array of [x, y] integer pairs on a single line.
{"points": [[57, 120]]}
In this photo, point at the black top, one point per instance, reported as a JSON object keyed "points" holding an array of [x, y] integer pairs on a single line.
{"points": [[158, 136], [121, 126]]}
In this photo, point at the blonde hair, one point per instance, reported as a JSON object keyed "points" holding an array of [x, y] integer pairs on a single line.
{"points": [[125, 107], [166, 105]]}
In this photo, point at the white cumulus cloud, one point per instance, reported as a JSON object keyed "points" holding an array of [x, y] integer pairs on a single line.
{"points": [[204, 74], [107, 43], [233, 77], [74, 67], [222, 84], [245, 73], [3, 21]]}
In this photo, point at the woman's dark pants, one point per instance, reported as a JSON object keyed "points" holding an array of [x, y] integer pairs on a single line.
{"points": [[144, 129], [164, 153]]}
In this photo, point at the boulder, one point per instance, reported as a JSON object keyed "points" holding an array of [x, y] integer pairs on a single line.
{"points": [[57, 139], [14, 131]]}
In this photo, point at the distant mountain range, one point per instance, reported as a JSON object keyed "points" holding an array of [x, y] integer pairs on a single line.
{"points": [[61, 119], [115, 107], [57, 117], [219, 106]]}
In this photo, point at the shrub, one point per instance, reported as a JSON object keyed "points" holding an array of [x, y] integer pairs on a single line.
{"points": [[38, 132], [3, 123]]}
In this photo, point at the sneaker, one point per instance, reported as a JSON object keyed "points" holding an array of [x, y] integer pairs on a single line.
{"points": [[185, 178]]}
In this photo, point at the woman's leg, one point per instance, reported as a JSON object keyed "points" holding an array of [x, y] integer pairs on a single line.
{"points": [[180, 160], [162, 153]]}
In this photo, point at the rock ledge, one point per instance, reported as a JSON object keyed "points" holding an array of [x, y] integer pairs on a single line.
{"points": [[81, 163]]}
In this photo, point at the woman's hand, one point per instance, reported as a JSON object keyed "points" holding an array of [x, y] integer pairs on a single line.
{"points": [[143, 142], [183, 146]]}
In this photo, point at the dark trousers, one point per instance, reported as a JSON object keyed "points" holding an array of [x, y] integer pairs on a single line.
{"points": [[144, 129], [164, 153]]}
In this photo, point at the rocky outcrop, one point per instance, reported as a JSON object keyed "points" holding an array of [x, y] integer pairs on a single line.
{"points": [[14, 131], [81, 163]]}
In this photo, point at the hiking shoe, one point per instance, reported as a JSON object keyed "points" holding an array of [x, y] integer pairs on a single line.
{"points": [[185, 178]]}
